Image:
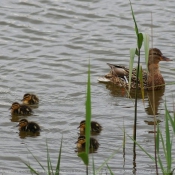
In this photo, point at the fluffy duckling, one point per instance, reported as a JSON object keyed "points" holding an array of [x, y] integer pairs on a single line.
{"points": [[82, 140], [30, 99], [95, 127], [25, 125], [20, 109]]}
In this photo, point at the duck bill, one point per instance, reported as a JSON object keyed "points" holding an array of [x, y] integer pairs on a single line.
{"points": [[163, 58], [17, 125]]}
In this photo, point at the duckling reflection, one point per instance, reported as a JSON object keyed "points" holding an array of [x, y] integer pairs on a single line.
{"points": [[20, 109], [95, 127], [154, 100], [93, 146], [30, 99]]}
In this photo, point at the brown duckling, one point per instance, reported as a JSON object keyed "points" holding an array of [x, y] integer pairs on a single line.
{"points": [[30, 99], [20, 109], [82, 142], [25, 125], [95, 127]]}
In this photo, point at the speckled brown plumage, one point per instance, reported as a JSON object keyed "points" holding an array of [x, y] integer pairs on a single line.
{"points": [[119, 75], [20, 109], [30, 99], [25, 125], [95, 126], [82, 141]]}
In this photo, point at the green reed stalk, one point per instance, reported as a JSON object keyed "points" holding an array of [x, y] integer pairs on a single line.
{"points": [[49, 170], [166, 144], [85, 155]]}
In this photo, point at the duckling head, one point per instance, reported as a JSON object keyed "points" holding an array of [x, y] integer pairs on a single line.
{"points": [[82, 126], [81, 141], [14, 106], [26, 98], [23, 123]]}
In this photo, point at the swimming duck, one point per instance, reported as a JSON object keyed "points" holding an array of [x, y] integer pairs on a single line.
{"points": [[95, 127], [20, 109], [82, 140], [30, 99], [120, 75], [25, 125]]}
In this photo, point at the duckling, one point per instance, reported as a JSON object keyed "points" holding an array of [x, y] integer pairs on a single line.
{"points": [[95, 127], [20, 109], [82, 140], [25, 125], [30, 99]]}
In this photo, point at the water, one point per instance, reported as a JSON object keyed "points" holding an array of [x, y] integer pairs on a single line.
{"points": [[45, 48]]}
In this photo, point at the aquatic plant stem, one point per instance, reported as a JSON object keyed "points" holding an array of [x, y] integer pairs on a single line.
{"points": [[153, 105], [136, 95]]}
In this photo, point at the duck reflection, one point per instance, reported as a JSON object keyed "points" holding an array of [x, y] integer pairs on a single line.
{"points": [[123, 92], [154, 99]]}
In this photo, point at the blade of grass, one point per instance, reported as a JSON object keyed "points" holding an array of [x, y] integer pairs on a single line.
{"points": [[141, 82], [168, 141], [93, 165], [109, 170], [49, 165], [132, 54], [31, 169], [59, 159], [85, 156], [88, 112], [104, 163], [146, 47], [37, 160]]}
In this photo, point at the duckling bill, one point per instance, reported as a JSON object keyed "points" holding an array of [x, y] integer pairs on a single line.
{"points": [[25, 125], [20, 109], [30, 99]]}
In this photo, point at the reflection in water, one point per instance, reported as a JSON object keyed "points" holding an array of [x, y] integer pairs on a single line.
{"points": [[154, 99], [122, 92], [23, 134]]}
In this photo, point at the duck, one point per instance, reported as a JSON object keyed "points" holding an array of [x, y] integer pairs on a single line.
{"points": [[30, 99], [152, 79], [20, 109], [25, 125], [82, 142], [95, 127]]}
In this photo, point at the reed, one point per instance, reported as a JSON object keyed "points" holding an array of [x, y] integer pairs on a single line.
{"points": [[49, 170]]}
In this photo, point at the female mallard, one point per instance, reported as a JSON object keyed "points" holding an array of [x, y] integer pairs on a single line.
{"points": [[95, 127], [25, 125], [20, 109], [82, 142], [30, 99], [120, 75]]}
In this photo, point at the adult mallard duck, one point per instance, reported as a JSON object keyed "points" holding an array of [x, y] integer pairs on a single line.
{"points": [[82, 142], [119, 75], [25, 125], [20, 109], [95, 127], [30, 99]]}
